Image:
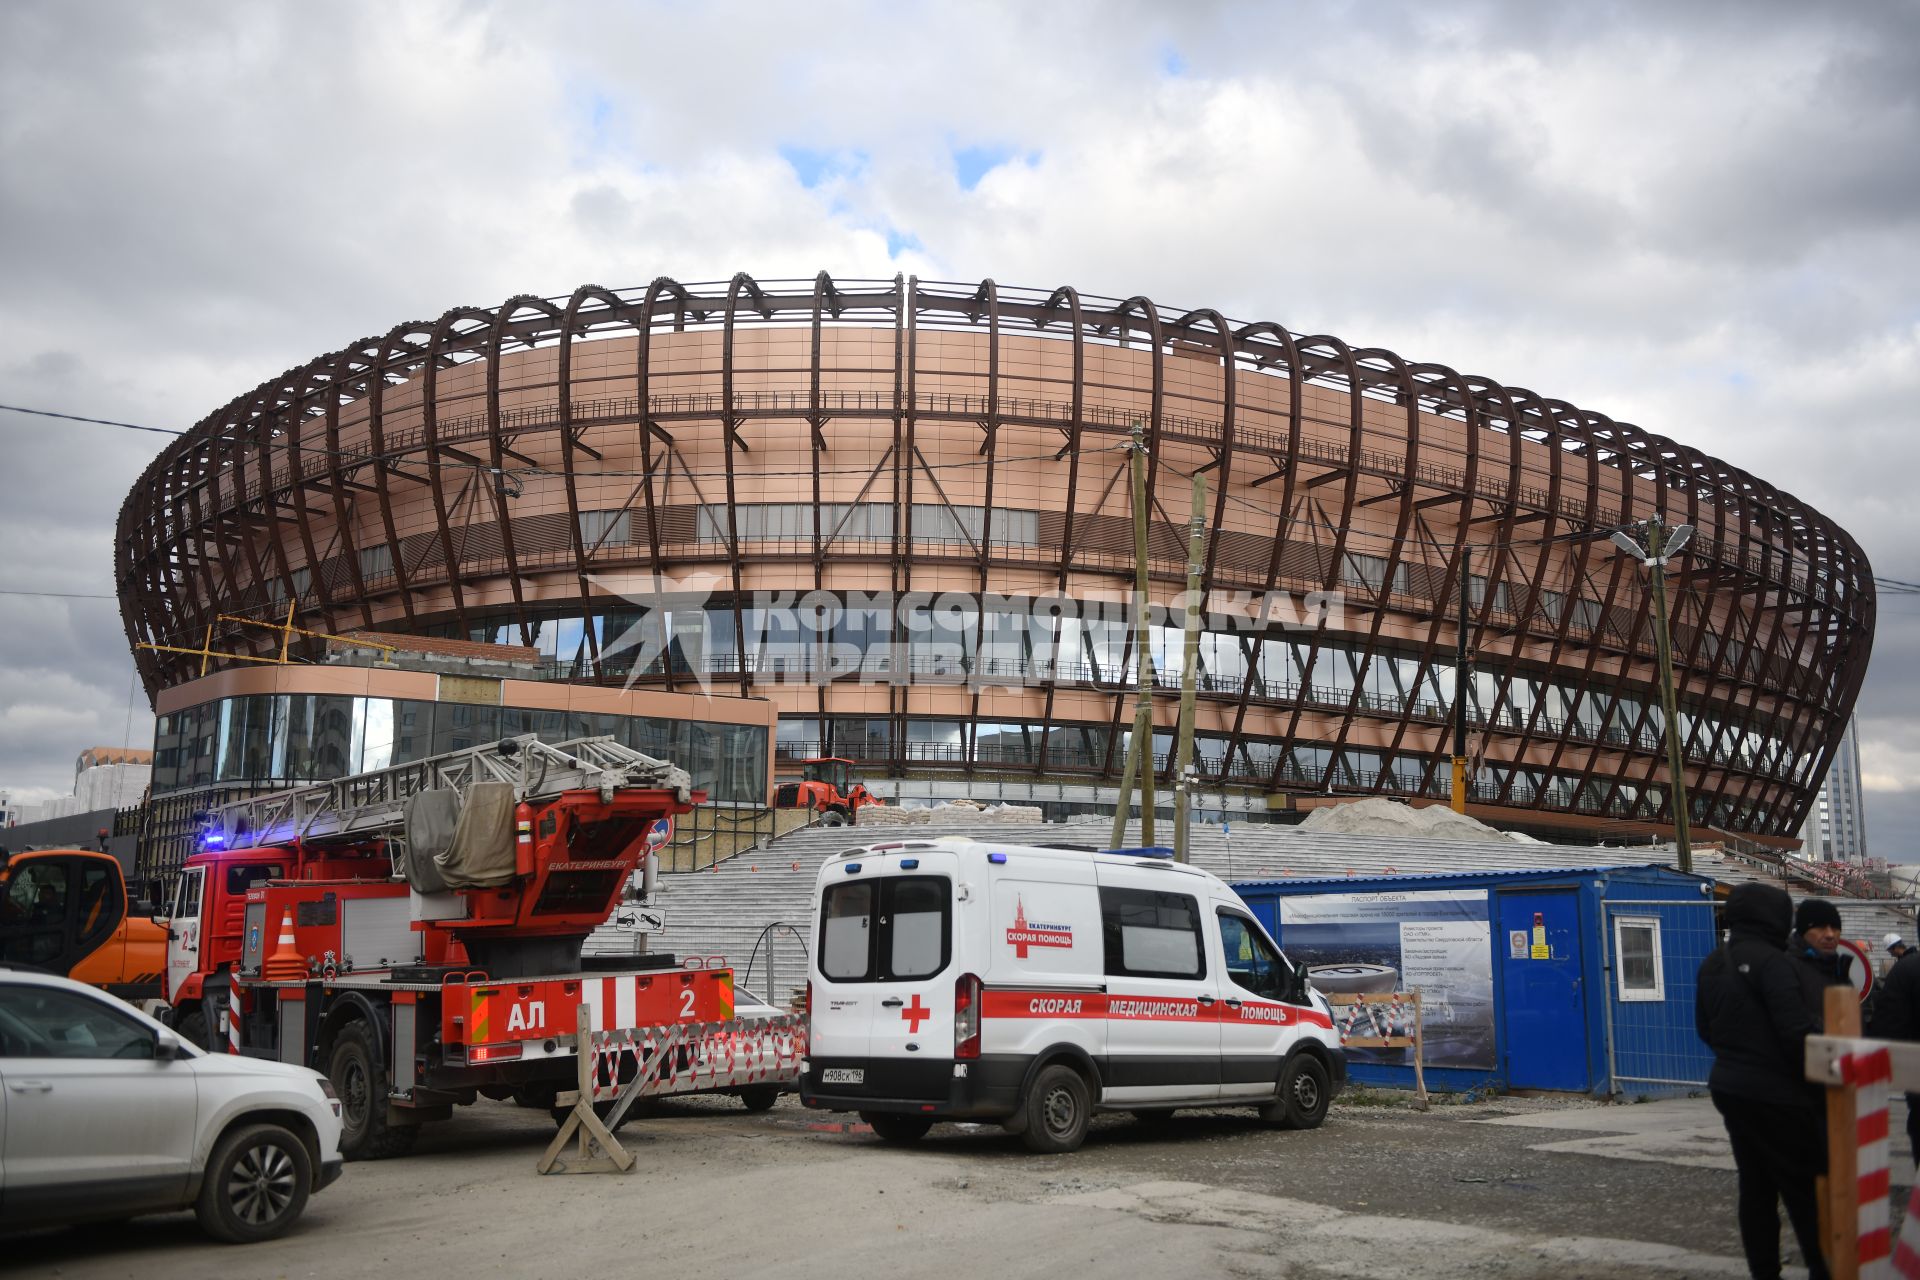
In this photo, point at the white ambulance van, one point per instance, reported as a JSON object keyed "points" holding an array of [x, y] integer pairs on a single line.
{"points": [[956, 979]]}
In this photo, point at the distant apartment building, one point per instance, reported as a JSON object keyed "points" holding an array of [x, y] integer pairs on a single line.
{"points": [[1836, 829], [103, 778]]}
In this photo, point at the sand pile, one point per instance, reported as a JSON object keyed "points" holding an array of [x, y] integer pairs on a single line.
{"points": [[1378, 816]]}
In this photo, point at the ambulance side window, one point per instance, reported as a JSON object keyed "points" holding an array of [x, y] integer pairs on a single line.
{"points": [[1151, 935], [846, 932], [1252, 963]]}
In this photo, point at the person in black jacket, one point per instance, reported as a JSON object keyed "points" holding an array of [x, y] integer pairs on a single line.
{"points": [[1896, 1016], [1751, 1013], [1815, 948]]}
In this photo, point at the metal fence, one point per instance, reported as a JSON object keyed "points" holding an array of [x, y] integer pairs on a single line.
{"points": [[1651, 1041]]}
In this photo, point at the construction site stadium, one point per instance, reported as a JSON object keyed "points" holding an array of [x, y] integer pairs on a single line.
{"points": [[890, 521]]}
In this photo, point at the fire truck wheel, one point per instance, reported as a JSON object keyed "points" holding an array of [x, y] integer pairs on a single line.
{"points": [[760, 1097], [898, 1129], [192, 1027], [1303, 1095], [1057, 1111], [256, 1185], [360, 1078]]}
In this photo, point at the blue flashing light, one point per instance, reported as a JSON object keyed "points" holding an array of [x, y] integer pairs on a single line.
{"points": [[908, 864], [996, 857], [213, 840], [1147, 851], [853, 868]]}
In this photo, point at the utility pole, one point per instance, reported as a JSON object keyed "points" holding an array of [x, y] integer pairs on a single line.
{"points": [[1189, 664], [1458, 794], [1662, 545], [1139, 766]]}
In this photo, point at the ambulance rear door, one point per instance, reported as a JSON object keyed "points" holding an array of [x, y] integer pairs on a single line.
{"points": [[884, 961]]}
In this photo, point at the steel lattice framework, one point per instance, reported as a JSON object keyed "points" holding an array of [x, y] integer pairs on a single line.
{"points": [[480, 470]]}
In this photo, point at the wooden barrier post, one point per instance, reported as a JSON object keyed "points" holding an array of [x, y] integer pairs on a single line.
{"points": [[1416, 1041], [1419, 1052], [583, 1121], [1841, 1201]]}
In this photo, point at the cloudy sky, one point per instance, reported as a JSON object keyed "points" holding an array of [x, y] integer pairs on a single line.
{"points": [[1701, 218]]}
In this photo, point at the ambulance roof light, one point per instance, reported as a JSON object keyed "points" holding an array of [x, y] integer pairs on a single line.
{"points": [[853, 868], [908, 864], [996, 857], [1147, 851]]}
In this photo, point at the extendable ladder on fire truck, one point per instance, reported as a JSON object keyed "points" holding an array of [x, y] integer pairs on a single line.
{"points": [[374, 803]]}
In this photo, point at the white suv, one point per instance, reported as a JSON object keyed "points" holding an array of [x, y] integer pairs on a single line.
{"points": [[105, 1114]]}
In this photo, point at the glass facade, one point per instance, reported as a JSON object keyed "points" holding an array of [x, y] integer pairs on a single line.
{"points": [[1021, 642], [271, 740]]}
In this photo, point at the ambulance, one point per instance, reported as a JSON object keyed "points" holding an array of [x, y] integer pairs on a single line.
{"points": [[1032, 985]]}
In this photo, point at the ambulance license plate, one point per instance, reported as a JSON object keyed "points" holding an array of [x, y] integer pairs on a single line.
{"points": [[842, 1075]]}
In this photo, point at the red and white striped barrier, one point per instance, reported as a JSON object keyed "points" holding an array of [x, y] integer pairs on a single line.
{"points": [[699, 1056], [1906, 1252], [233, 1017], [1871, 1074]]}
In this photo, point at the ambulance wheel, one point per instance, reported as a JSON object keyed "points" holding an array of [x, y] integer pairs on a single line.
{"points": [[1057, 1111], [360, 1078], [1303, 1095], [192, 1027], [897, 1129], [760, 1097]]}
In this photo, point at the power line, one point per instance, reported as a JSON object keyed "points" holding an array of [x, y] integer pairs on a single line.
{"points": [[104, 422], [58, 595]]}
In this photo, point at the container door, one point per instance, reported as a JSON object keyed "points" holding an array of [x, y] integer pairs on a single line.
{"points": [[1544, 1007]]}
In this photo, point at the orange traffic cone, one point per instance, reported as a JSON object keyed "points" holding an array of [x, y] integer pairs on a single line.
{"points": [[286, 963]]}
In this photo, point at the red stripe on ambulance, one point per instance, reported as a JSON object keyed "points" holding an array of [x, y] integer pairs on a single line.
{"points": [[1094, 1004]]}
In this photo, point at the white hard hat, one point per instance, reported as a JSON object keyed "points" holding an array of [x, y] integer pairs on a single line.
{"points": [[1892, 940]]}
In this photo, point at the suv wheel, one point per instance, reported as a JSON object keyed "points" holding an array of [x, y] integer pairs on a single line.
{"points": [[360, 1078], [255, 1186], [1057, 1111]]}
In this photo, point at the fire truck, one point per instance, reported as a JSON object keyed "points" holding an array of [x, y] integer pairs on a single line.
{"points": [[415, 932]]}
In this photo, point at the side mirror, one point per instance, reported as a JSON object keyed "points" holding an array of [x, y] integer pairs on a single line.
{"points": [[167, 1047]]}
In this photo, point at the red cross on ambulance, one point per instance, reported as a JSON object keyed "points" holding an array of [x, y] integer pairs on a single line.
{"points": [[915, 1014]]}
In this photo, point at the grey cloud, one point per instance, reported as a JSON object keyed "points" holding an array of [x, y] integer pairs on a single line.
{"points": [[199, 196]]}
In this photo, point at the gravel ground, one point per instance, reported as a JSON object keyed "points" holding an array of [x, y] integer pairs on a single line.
{"points": [[1379, 1191]]}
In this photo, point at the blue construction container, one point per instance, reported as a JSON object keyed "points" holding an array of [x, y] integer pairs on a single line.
{"points": [[1578, 980]]}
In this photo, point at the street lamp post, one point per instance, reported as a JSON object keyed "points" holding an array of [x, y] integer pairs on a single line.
{"points": [[1662, 545]]}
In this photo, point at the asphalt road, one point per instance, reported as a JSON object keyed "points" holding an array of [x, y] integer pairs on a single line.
{"points": [[1380, 1191]]}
